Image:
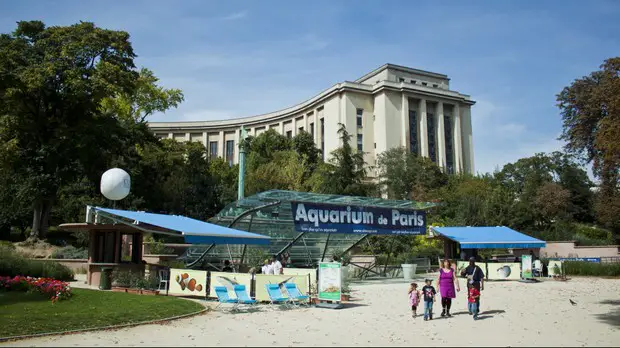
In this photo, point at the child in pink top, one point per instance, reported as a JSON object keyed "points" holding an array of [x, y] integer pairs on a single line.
{"points": [[414, 298]]}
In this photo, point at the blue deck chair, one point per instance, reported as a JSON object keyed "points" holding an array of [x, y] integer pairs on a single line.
{"points": [[222, 297], [242, 296], [275, 295], [294, 294]]}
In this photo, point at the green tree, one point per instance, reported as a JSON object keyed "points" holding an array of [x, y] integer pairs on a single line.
{"points": [[225, 178], [189, 189], [71, 106], [284, 172], [146, 98], [52, 83], [404, 175], [529, 180], [345, 174], [303, 144], [263, 147], [590, 110]]}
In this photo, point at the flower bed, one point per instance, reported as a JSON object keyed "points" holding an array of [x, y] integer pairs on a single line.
{"points": [[54, 289]]}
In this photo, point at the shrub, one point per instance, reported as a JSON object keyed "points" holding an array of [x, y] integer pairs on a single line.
{"points": [[54, 289], [174, 264], [70, 252], [7, 244], [583, 268], [14, 264], [135, 280]]}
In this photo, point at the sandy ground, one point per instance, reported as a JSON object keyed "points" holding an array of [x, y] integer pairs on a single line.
{"points": [[513, 314]]}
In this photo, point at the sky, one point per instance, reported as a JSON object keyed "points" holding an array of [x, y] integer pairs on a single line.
{"points": [[242, 58]]}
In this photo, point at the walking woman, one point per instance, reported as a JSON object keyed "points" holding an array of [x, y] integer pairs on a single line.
{"points": [[447, 282]]}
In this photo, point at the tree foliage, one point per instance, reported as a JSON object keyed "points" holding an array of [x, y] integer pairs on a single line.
{"points": [[405, 175], [346, 171], [53, 128], [590, 109]]}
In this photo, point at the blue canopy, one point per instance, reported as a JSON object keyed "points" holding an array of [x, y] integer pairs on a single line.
{"points": [[500, 237], [194, 231]]}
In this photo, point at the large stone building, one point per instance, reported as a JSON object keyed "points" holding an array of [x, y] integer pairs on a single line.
{"points": [[392, 106]]}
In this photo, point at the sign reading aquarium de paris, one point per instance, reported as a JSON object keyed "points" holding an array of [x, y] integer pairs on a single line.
{"points": [[328, 218]]}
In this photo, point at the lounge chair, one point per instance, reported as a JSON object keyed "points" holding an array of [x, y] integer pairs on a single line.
{"points": [[242, 296], [222, 297], [294, 295], [275, 295]]}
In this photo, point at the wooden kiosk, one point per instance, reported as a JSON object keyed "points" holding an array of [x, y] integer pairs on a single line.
{"points": [[113, 246]]}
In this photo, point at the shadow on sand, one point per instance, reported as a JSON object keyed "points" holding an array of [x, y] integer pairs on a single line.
{"points": [[490, 314], [612, 317]]}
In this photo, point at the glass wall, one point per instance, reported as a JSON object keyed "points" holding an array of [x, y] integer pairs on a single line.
{"points": [[276, 221]]}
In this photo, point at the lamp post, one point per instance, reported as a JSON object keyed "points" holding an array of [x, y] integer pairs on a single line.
{"points": [[240, 189]]}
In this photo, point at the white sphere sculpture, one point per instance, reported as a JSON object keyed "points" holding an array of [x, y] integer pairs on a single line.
{"points": [[115, 184]]}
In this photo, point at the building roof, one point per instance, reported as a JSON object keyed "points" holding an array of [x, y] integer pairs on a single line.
{"points": [[404, 69], [499, 237], [194, 231]]}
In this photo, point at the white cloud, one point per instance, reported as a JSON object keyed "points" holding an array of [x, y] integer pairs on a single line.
{"points": [[235, 16]]}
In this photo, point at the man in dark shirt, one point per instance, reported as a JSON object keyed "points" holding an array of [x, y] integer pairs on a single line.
{"points": [[475, 277]]}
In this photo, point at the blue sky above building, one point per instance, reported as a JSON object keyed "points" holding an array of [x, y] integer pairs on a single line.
{"points": [[243, 58]]}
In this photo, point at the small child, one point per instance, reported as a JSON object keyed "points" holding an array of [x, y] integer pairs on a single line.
{"points": [[414, 298], [429, 297], [473, 296]]}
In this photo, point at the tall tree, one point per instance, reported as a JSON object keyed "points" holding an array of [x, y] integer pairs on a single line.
{"points": [[590, 109], [345, 174], [532, 181], [52, 84], [404, 175]]}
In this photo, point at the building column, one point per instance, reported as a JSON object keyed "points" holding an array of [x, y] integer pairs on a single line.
{"points": [[456, 139], [441, 136], [468, 145], [170, 135], [423, 136], [188, 137], [404, 112], [222, 144], [281, 126], [306, 123], [205, 141]]}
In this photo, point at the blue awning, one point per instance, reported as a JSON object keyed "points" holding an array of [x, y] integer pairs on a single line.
{"points": [[194, 231], [500, 237]]}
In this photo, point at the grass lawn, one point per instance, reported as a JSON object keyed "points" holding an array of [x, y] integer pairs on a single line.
{"points": [[25, 314]]}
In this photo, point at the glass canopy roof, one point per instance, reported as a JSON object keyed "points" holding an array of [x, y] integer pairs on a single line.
{"points": [[269, 213]]}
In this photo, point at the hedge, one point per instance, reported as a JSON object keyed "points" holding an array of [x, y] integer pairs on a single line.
{"points": [[14, 264], [582, 268]]}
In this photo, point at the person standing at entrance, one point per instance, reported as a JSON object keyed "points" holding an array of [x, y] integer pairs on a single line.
{"points": [[277, 266], [475, 279], [448, 285]]}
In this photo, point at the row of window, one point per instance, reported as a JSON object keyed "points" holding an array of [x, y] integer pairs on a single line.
{"points": [[415, 82], [230, 150], [431, 134]]}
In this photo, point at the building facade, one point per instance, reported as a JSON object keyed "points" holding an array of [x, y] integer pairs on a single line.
{"points": [[392, 106]]}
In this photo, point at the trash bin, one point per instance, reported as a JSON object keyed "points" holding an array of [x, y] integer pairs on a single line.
{"points": [[105, 282], [409, 271]]}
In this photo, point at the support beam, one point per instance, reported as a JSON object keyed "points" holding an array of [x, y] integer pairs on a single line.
{"points": [[290, 243], [325, 249]]}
